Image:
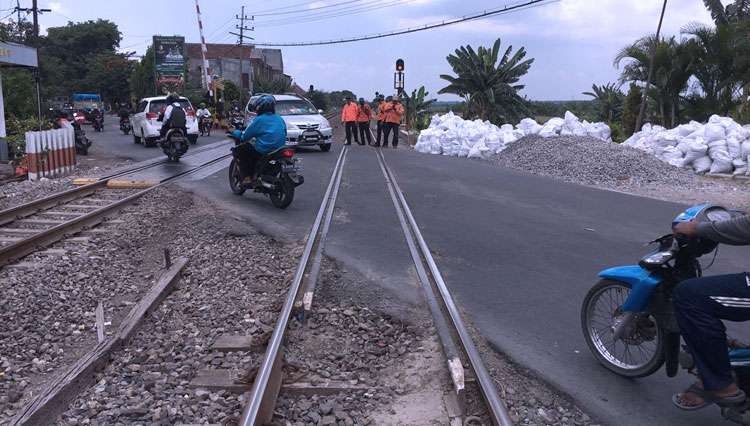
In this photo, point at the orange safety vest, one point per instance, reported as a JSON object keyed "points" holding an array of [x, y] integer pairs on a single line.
{"points": [[381, 114], [365, 113], [349, 112], [393, 113]]}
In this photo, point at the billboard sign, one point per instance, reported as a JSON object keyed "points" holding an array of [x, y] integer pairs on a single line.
{"points": [[14, 54], [169, 61]]}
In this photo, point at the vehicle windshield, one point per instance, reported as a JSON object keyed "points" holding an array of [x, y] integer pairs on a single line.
{"points": [[295, 108], [160, 104]]}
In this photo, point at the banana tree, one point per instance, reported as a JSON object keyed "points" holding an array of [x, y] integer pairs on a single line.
{"points": [[417, 106]]}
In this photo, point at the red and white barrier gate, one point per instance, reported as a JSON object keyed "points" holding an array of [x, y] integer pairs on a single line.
{"points": [[51, 153]]}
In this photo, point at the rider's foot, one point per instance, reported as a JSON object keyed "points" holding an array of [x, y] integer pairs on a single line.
{"points": [[248, 181], [695, 397]]}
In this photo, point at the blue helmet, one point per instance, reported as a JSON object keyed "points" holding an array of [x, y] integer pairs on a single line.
{"points": [[264, 104]]}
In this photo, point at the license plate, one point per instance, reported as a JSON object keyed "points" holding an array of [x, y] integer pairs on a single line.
{"points": [[290, 168], [310, 136]]}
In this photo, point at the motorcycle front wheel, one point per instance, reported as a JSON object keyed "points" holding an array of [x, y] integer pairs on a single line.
{"points": [[640, 351], [284, 194], [235, 178]]}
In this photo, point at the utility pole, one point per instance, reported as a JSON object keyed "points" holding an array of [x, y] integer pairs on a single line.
{"points": [[644, 99], [18, 9], [35, 11], [240, 42]]}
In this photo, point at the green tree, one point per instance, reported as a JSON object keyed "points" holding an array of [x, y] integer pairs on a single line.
{"points": [[231, 91], [673, 65], [318, 98], [736, 11], [631, 107], [142, 78], [272, 86], [416, 107], [488, 82], [109, 73], [608, 98]]}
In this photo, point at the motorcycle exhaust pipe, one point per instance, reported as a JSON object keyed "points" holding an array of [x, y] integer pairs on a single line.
{"points": [[621, 324]]}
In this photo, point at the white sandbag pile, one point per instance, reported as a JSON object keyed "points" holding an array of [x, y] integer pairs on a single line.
{"points": [[451, 135], [720, 146]]}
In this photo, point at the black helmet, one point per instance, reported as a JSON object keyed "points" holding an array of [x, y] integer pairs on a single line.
{"points": [[171, 98], [361, 101], [264, 104]]}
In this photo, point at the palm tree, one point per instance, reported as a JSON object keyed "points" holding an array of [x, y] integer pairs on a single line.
{"points": [[732, 13], [488, 83], [673, 66], [609, 98], [416, 106]]}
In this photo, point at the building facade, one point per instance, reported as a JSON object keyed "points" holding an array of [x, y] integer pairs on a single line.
{"points": [[242, 65]]}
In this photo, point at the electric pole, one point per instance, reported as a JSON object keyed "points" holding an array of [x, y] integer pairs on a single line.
{"points": [[35, 11], [240, 42], [644, 99]]}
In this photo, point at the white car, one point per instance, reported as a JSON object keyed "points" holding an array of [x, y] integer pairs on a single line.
{"points": [[305, 126], [146, 127]]}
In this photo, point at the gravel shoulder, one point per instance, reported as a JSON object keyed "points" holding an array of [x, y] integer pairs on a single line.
{"points": [[591, 162]]}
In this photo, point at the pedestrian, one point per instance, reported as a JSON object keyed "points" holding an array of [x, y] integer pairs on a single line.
{"points": [[381, 117], [349, 118], [363, 120], [393, 111]]}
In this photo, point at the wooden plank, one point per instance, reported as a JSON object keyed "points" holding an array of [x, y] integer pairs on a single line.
{"points": [[234, 343], [81, 206], [218, 379], [27, 231], [84, 181], [51, 401], [41, 221], [61, 213]]}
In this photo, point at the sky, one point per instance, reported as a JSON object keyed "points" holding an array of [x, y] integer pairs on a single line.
{"points": [[573, 42]]}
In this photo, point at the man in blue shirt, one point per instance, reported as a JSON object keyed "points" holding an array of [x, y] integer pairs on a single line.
{"points": [[269, 131]]}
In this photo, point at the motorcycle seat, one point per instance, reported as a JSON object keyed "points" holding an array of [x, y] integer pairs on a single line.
{"points": [[275, 152]]}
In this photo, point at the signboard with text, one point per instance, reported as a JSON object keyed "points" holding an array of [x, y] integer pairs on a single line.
{"points": [[169, 61], [17, 55]]}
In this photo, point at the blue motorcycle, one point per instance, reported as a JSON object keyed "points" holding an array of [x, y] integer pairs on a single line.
{"points": [[628, 319]]}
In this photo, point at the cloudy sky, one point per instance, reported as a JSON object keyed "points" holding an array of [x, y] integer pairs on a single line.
{"points": [[572, 41]]}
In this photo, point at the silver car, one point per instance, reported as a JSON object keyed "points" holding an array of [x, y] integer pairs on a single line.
{"points": [[305, 125]]}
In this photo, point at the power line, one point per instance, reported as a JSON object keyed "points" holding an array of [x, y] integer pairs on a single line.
{"points": [[291, 6], [465, 18], [320, 16], [289, 12]]}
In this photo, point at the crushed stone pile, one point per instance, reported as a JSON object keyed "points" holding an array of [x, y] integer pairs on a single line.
{"points": [[588, 161], [451, 135], [719, 146]]}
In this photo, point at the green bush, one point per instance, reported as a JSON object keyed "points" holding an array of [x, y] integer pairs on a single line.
{"points": [[16, 134], [618, 134]]}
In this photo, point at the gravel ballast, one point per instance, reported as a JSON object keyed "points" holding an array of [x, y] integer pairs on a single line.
{"points": [[588, 161]]}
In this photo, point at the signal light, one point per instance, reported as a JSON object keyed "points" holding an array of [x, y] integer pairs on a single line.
{"points": [[399, 65]]}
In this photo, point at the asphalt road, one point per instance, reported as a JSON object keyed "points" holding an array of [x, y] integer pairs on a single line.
{"points": [[113, 145], [518, 251]]}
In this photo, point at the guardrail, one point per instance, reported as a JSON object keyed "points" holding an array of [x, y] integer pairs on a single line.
{"points": [[51, 153]]}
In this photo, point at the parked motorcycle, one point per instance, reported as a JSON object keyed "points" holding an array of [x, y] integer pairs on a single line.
{"points": [[98, 123], [277, 175], [175, 144], [125, 126], [204, 126], [82, 142], [628, 319]]}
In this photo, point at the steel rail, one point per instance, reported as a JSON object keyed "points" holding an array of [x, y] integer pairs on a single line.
{"points": [[251, 414], [497, 409], [46, 237], [11, 214]]}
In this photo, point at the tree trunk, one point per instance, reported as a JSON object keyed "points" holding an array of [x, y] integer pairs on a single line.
{"points": [[674, 113]]}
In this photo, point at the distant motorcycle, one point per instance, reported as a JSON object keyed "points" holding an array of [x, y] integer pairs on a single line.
{"points": [[98, 123], [237, 121], [125, 126], [82, 142], [204, 126], [277, 175], [175, 144]]}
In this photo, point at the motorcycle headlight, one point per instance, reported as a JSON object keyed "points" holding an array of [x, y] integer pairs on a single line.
{"points": [[658, 258]]}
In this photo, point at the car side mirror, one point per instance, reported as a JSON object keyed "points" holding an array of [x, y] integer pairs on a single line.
{"points": [[320, 111]]}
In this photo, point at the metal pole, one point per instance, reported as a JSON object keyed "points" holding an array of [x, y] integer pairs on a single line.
{"points": [[639, 120], [38, 99], [206, 84], [242, 39], [35, 11]]}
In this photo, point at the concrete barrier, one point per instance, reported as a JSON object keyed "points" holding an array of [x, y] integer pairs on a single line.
{"points": [[51, 153]]}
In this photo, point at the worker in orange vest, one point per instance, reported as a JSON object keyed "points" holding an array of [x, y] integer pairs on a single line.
{"points": [[363, 120], [381, 117], [392, 113], [349, 115]]}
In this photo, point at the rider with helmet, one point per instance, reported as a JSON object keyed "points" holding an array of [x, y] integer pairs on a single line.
{"points": [[124, 112], [700, 304], [269, 131], [173, 117]]}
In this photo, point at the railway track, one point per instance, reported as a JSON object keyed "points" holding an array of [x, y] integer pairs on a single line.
{"points": [[462, 356], [29, 227]]}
